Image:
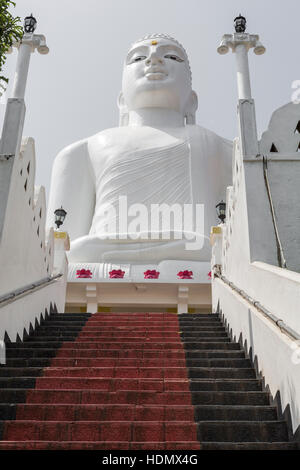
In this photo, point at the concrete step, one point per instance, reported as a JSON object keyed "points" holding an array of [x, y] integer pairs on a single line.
{"points": [[17, 382], [235, 413], [225, 385], [99, 445], [242, 431], [220, 362], [93, 397], [193, 353], [20, 371], [158, 431], [211, 354], [221, 372], [193, 335], [250, 446], [230, 398], [105, 412]]}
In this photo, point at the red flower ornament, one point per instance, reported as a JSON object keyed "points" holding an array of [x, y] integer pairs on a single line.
{"points": [[151, 274], [185, 274], [83, 274], [116, 274]]}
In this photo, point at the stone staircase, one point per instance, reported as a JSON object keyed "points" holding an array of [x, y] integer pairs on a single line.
{"points": [[153, 381]]}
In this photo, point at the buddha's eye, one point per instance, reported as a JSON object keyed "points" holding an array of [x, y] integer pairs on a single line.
{"points": [[138, 59], [173, 57]]}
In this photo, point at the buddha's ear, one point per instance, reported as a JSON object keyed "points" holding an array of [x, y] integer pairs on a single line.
{"points": [[124, 115], [191, 108]]}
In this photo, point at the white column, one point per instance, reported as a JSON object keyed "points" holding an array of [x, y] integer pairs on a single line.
{"points": [[183, 299], [91, 296], [243, 74], [21, 73]]}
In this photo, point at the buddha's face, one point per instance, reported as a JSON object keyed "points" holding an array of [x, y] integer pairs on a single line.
{"points": [[156, 74]]}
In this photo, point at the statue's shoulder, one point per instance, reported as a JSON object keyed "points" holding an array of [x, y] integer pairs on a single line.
{"points": [[212, 142], [199, 132], [73, 150]]}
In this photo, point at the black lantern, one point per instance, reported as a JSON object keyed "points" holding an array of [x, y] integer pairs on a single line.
{"points": [[221, 210], [240, 24], [60, 215], [30, 24]]}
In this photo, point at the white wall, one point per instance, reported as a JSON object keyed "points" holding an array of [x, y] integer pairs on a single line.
{"points": [[247, 253]]}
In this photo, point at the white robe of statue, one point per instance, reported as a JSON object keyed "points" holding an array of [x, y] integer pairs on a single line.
{"points": [[158, 155]]}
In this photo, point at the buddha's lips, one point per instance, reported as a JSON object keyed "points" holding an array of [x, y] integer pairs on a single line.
{"points": [[155, 74]]}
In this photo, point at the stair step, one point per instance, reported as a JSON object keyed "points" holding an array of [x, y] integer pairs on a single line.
{"points": [[235, 413], [93, 397], [221, 372], [250, 446], [94, 362], [70, 316], [34, 344], [230, 398], [44, 340], [192, 353], [17, 382], [230, 354], [56, 412], [220, 362], [92, 445], [225, 385], [101, 383], [189, 336], [242, 431], [55, 322], [99, 431], [39, 412], [118, 372], [20, 371], [44, 335], [30, 352]]}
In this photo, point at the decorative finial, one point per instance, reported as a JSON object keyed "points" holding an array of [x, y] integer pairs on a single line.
{"points": [[240, 24], [30, 24]]}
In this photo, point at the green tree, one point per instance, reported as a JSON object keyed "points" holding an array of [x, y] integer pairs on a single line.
{"points": [[10, 30]]}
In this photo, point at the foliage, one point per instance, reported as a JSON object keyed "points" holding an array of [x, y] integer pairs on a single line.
{"points": [[10, 30]]}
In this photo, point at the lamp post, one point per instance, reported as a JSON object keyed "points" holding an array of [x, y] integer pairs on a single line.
{"points": [[221, 211], [28, 44], [60, 215], [240, 42], [30, 24]]}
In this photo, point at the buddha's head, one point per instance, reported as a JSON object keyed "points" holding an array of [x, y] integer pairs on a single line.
{"points": [[157, 74]]}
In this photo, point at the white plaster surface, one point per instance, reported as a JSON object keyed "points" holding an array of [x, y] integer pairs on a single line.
{"points": [[247, 253], [158, 155]]}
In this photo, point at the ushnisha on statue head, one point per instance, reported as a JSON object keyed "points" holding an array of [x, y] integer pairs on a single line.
{"points": [[157, 74]]}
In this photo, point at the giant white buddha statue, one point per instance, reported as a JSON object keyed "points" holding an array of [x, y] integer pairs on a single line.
{"points": [[157, 155]]}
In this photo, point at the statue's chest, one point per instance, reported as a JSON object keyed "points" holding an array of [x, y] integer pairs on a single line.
{"points": [[145, 173]]}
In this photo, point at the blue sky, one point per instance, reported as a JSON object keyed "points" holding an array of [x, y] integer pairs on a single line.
{"points": [[72, 92]]}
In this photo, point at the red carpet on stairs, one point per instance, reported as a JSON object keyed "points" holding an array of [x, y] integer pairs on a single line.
{"points": [[122, 384]]}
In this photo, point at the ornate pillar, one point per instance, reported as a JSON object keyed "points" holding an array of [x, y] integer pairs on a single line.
{"points": [[240, 43]]}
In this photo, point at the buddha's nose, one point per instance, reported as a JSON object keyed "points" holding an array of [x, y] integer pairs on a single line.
{"points": [[154, 59]]}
